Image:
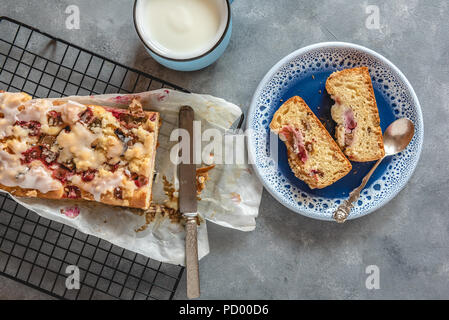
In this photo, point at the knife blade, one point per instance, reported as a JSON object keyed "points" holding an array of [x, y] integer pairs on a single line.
{"points": [[188, 203], [187, 171]]}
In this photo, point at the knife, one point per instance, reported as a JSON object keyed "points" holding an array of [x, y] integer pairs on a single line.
{"points": [[188, 205]]}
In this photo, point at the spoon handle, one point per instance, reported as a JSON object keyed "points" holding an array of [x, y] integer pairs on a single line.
{"points": [[342, 212]]}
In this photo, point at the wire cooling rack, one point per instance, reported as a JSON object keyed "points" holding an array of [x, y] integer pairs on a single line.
{"points": [[34, 250]]}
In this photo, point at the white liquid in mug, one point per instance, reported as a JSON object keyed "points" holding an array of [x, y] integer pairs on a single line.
{"points": [[182, 28]]}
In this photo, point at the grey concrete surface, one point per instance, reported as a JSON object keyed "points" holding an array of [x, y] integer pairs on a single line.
{"points": [[290, 256]]}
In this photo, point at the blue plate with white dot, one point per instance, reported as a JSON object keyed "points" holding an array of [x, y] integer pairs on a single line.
{"points": [[304, 73]]}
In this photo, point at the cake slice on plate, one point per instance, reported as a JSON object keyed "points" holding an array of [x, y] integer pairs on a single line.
{"points": [[313, 155], [358, 131]]}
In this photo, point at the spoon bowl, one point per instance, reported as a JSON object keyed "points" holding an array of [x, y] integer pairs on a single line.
{"points": [[398, 136]]}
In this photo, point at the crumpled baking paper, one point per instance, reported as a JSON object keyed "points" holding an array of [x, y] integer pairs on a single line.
{"points": [[231, 198]]}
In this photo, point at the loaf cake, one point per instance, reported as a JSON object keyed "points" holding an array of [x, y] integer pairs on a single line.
{"points": [[313, 155], [355, 112], [59, 149]]}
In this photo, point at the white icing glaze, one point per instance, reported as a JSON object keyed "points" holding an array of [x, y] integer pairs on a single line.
{"points": [[9, 167], [39, 178], [105, 182], [70, 111], [9, 103], [35, 110], [76, 145], [13, 174]]}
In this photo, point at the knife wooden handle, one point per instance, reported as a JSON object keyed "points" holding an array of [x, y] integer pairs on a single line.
{"points": [[193, 276]]}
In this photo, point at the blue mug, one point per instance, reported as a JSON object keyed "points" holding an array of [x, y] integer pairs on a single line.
{"points": [[193, 63]]}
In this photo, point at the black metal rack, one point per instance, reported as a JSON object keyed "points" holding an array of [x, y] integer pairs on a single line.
{"points": [[34, 250]]}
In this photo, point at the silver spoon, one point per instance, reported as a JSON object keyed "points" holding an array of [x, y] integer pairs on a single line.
{"points": [[396, 138]]}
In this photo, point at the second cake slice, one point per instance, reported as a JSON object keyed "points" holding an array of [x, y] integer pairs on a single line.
{"points": [[313, 155], [355, 111]]}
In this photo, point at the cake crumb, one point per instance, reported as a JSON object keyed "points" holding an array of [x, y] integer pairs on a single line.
{"points": [[170, 207], [235, 197], [202, 175]]}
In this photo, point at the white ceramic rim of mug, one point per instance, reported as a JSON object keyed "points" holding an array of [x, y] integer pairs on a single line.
{"points": [[159, 50]]}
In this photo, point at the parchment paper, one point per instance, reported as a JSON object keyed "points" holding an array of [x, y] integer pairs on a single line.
{"points": [[231, 198]]}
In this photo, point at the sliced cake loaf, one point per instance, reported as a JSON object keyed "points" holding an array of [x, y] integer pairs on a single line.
{"points": [[358, 131], [313, 155]]}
